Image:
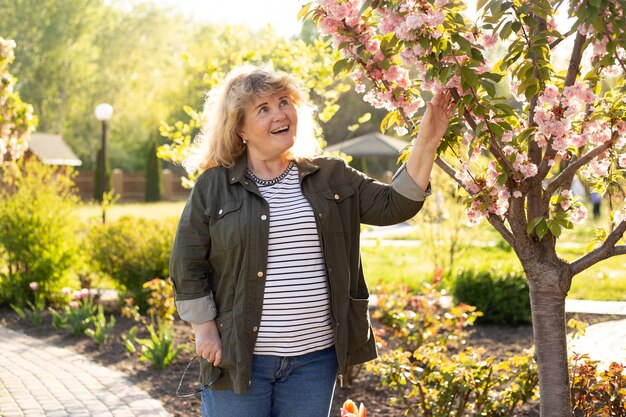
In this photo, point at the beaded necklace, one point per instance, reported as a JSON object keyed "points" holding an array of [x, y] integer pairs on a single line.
{"points": [[273, 181]]}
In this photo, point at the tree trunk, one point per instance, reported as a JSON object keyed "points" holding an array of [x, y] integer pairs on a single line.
{"points": [[548, 287]]}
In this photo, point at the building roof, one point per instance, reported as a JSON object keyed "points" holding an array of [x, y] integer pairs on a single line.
{"points": [[52, 150], [370, 144]]}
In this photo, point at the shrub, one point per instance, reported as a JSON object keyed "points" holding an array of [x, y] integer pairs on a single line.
{"points": [[597, 394], [421, 318], [433, 373], [38, 231], [431, 382], [501, 295], [132, 251]]}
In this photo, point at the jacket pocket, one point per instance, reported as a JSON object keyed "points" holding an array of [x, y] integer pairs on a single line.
{"points": [[225, 325], [338, 193], [224, 224], [359, 329]]}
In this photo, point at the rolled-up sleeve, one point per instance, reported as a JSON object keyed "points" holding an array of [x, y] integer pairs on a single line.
{"points": [[189, 265], [404, 184]]}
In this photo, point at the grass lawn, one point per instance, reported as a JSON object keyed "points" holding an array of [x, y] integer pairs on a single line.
{"points": [[159, 210], [410, 266]]}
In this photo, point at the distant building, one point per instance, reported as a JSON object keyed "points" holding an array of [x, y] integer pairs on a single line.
{"points": [[50, 149], [373, 153]]}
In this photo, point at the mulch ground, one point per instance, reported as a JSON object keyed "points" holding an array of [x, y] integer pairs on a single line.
{"points": [[499, 341]]}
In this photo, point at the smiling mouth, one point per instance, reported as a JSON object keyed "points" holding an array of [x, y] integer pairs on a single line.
{"points": [[280, 130]]}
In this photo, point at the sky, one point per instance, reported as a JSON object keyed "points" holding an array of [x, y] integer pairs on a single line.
{"points": [[257, 14]]}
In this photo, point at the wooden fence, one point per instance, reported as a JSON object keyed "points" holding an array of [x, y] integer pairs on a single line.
{"points": [[132, 186]]}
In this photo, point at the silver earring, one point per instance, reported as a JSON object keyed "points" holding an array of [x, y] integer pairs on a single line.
{"points": [[244, 141]]}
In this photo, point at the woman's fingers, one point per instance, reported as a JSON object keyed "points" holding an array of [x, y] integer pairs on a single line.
{"points": [[218, 358]]}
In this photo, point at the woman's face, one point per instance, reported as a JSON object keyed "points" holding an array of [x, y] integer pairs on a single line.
{"points": [[270, 125]]}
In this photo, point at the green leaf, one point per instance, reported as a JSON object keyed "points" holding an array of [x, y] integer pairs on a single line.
{"points": [[533, 223], [554, 227], [340, 66], [542, 229], [489, 87], [468, 75]]}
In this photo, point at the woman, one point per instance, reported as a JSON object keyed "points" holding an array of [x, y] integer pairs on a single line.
{"points": [[266, 263]]}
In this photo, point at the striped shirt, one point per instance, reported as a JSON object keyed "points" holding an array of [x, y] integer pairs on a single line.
{"points": [[296, 303]]}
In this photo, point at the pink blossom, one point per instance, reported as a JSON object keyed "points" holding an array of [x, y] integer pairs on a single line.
{"points": [[529, 170], [74, 304], [622, 160], [578, 214], [507, 137], [77, 295], [619, 216], [517, 194], [600, 166], [66, 291], [508, 150], [550, 96], [84, 293], [33, 286]]}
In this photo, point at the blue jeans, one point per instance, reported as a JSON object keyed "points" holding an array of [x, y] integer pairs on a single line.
{"points": [[289, 386]]}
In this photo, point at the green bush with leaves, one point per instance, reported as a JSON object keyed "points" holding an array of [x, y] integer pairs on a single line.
{"points": [[39, 232], [420, 318], [597, 394], [431, 382], [433, 373], [132, 251], [500, 294]]}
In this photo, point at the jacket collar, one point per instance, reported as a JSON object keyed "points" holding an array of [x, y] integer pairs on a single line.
{"points": [[237, 173]]}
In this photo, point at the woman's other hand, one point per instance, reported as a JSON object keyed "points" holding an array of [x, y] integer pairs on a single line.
{"points": [[208, 341]]}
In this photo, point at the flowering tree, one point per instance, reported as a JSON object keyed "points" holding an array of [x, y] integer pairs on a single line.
{"points": [[16, 117], [514, 151]]}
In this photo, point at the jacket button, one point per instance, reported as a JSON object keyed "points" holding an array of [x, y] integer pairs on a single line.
{"points": [[319, 214], [260, 274], [336, 196], [220, 212], [330, 270], [264, 217], [255, 328]]}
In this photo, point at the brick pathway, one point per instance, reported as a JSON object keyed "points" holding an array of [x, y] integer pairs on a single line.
{"points": [[38, 379]]}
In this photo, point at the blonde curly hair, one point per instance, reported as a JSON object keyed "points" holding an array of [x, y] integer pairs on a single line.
{"points": [[219, 142]]}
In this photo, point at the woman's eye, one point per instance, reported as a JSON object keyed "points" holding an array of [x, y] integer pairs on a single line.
{"points": [[263, 109], [284, 102]]}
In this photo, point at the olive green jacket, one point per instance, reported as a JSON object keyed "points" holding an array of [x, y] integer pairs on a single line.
{"points": [[219, 256]]}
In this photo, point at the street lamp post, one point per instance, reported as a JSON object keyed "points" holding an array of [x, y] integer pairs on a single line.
{"points": [[104, 112]]}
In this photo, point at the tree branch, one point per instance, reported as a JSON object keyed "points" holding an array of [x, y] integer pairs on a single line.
{"points": [[499, 225], [573, 167], [608, 249], [448, 169], [574, 64]]}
